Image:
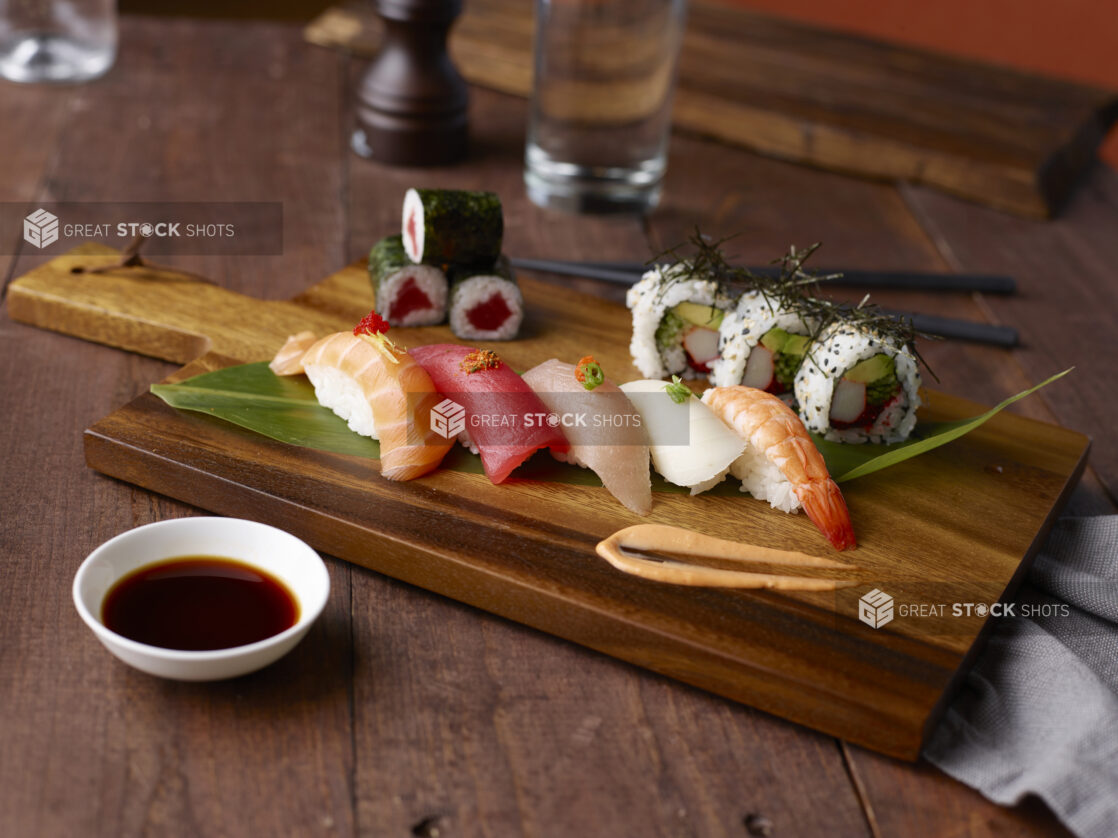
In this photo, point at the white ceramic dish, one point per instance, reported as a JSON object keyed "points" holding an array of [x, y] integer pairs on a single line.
{"points": [[267, 548]]}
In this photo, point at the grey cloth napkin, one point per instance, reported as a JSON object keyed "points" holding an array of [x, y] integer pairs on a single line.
{"points": [[1038, 712]]}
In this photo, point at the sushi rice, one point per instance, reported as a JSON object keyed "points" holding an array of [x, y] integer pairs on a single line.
{"points": [[340, 392], [657, 293], [471, 288], [837, 349]]}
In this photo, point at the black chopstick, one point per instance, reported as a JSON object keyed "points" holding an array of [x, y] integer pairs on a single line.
{"points": [[929, 324], [949, 327], [626, 273]]}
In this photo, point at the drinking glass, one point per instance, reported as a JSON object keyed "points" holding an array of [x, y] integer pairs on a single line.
{"points": [[600, 113], [56, 40]]}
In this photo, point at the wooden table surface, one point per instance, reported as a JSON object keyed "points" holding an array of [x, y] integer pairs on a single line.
{"points": [[404, 713]]}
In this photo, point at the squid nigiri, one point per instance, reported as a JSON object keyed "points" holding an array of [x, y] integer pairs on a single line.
{"points": [[690, 446], [781, 464], [601, 430], [379, 390]]}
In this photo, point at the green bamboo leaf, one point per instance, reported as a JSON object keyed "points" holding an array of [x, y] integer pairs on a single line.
{"points": [[853, 461], [282, 408]]}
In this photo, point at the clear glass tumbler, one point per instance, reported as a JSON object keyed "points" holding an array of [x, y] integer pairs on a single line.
{"points": [[600, 114], [56, 40]]}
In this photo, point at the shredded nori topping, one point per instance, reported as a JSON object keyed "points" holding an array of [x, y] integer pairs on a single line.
{"points": [[791, 288]]}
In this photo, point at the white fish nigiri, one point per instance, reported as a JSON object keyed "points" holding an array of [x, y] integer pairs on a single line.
{"points": [[614, 450], [690, 445]]}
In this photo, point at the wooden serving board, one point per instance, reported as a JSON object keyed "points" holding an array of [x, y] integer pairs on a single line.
{"points": [[1008, 139], [959, 524]]}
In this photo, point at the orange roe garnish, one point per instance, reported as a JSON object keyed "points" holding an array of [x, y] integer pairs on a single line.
{"points": [[478, 360], [371, 324]]}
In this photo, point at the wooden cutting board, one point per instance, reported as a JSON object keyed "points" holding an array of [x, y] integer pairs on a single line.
{"points": [[957, 525], [1004, 138]]}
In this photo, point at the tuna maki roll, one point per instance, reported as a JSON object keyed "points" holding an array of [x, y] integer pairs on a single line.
{"points": [[859, 384], [406, 294], [485, 303], [676, 318], [443, 226], [761, 344]]}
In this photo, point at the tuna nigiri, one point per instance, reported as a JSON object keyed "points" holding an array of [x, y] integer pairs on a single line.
{"points": [[781, 464], [500, 415], [379, 390], [602, 429], [690, 446]]}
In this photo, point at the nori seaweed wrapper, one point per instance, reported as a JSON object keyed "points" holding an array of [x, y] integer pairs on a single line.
{"points": [[457, 274], [460, 227], [386, 259]]}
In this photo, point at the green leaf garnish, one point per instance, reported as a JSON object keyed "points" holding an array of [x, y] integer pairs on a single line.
{"points": [[282, 408], [848, 462], [678, 391], [592, 375]]}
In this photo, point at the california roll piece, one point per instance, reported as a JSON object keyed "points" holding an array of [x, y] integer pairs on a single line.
{"points": [[761, 344], [689, 444], [407, 294], [676, 318], [445, 226], [858, 384], [485, 303]]}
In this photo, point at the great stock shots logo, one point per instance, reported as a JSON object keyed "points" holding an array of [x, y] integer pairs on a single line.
{"points": [[448, 419], [40, 228], [875, 609], [213, 228]]}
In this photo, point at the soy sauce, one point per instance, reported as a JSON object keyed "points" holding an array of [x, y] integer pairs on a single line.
{"points": [[198, 603]]}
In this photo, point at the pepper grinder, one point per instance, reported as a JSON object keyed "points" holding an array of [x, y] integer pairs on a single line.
{"points": [[411, 103]]}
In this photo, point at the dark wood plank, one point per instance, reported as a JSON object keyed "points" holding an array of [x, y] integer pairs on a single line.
{"points": [[1003, 138], [192, 111], [1067, 308], [916, 800], [256, 117], [32, 118], [487, 728]]}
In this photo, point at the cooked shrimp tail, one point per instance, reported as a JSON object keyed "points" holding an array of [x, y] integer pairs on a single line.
{"points": [[824, 505]]}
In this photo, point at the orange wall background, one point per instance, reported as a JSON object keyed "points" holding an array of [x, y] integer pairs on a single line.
{"points": [[1073, 39]]}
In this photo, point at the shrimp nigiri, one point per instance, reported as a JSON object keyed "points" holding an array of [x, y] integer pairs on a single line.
{"points": [[379, 390], [781, 464]]}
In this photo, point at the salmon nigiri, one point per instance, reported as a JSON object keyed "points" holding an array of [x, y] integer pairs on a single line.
{"points": [[380, 391], [599, 426], [781, 464]]}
